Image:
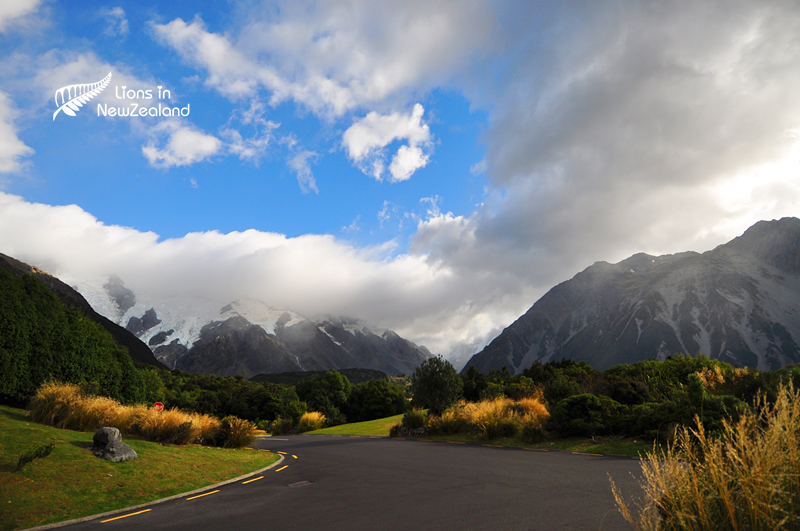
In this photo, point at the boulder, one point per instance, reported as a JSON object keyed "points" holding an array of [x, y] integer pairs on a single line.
{"points": [[104, 436], [117, 451], [108, 445]]}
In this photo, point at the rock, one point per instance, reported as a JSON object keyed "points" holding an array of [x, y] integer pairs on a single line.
{"points": [[117, 451], [104, 436]]}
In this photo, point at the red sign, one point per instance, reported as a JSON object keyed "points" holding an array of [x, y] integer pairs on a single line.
{"points": [[158, 406]]}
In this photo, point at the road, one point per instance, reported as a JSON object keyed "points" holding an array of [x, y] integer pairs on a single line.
{"points": [[360, 483]]}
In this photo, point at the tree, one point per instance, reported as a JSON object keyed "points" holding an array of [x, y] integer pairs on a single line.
{"points": [[327, 394], [436, 385], [375, 399]]}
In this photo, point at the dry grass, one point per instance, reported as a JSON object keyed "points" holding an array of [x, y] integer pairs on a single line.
{"points": [[746, 479], [313, 420], [238, 432], [65, 406], [499, 417]]}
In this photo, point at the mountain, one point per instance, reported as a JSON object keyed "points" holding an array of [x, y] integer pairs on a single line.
{"points": [[137, 350], [248, 337], [739, 303]]}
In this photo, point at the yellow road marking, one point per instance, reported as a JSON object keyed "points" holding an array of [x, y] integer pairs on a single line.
{"points": [[356, 436], [538, 449], [252, 480], [294, 456], [263, 450], [201, 495], [456, 442], [492, 445], [284, 453], [585, 453], [287, 466], [124, 516]]}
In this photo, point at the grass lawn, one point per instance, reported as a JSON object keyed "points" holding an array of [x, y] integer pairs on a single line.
{"points": [[605, 445], [71, 482], [379, 427]]}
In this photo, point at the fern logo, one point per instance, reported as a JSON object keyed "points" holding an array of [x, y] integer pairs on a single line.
{"points": [[74, 96]]}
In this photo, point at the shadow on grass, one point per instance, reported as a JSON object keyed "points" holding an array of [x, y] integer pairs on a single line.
{"points": [[15, 414], [81, 444]]}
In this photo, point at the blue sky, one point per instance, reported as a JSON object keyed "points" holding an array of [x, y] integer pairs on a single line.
{"points": [[429, 166]]}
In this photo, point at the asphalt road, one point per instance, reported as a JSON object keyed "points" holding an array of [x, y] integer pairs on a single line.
{"points": [[360, 483]]}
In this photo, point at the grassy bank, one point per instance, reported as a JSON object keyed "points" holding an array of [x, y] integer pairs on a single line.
{"points": [[379, 427], [71, 482]]}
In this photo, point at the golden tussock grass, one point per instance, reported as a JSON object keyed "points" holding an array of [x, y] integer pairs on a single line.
{"points": [[498, 417], [66, 406], [747, 478], [313, 420]]}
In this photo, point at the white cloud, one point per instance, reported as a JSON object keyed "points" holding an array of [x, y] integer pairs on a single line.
{"points": [[184, 145], [333, 57], [13, 11], [12, 149], [299, 163], [366, 139], [116, 22]]}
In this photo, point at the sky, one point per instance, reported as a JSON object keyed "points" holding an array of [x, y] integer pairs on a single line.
{"points": [[430, 166]]}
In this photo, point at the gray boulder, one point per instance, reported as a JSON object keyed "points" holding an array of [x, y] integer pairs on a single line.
{"points": [[117, 451], [108, 445], [104, 436]]}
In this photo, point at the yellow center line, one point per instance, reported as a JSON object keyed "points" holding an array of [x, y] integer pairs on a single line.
{"points": [[492, 445], [355, 436], [538, 449], [201, 495], [287, 466], [456, 442], [294, 456], [252, 480], [284, 453], [585, 453], [124, 516]]}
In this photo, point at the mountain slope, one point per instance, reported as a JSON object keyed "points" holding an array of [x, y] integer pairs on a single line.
{"points": [[739, 302], [137, 350]]}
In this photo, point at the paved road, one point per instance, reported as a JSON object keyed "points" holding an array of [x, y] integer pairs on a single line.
{"points": [[384, 484]]}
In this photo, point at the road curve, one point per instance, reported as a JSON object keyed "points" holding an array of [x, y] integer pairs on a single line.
{"points": [[361, 483]]}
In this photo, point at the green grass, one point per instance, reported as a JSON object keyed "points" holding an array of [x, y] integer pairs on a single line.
{"points": [[379, 427], [71, 482]]}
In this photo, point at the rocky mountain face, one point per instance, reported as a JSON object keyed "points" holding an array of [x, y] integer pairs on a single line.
{"points": [[137, 350], [250, 338], [739, 303]]}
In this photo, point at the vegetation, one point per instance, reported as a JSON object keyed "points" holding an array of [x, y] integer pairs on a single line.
{"points": [[71, 482], [37, 451], [375, 428], [67, 406], [375, 399], [43, 339], [746, 478], [310, 421], [355, 376], [435, 385]]}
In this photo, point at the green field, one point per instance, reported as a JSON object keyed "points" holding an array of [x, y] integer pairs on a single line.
{"points": [[379, 427], [71, 482]]}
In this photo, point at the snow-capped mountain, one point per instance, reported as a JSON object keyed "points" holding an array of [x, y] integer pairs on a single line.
{"points": [[249, 337], [739, 303]]}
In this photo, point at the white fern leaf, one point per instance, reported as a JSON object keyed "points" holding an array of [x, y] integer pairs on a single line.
{"points": [[73, 97]]}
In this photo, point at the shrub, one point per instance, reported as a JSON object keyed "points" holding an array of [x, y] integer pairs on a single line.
{"points": [[587, 415], [281, 426], [747, 478], [500, 417], [313, 420], [375, 399], [37, 451], [65, 406], [414, 419], [238, 432], [394, 431]]}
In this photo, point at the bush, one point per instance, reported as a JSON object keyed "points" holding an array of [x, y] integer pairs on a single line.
{"points": [[436, 385], [281, 426], [375, 399], [394, 431], [37, 451], [238, 432], [587, 415], [313, 420], [414, 419], [327, 394], [747, 478], [65, 406], [500, 417]]}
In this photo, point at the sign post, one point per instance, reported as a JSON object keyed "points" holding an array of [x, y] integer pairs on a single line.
{"points": [[158, 406]]}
